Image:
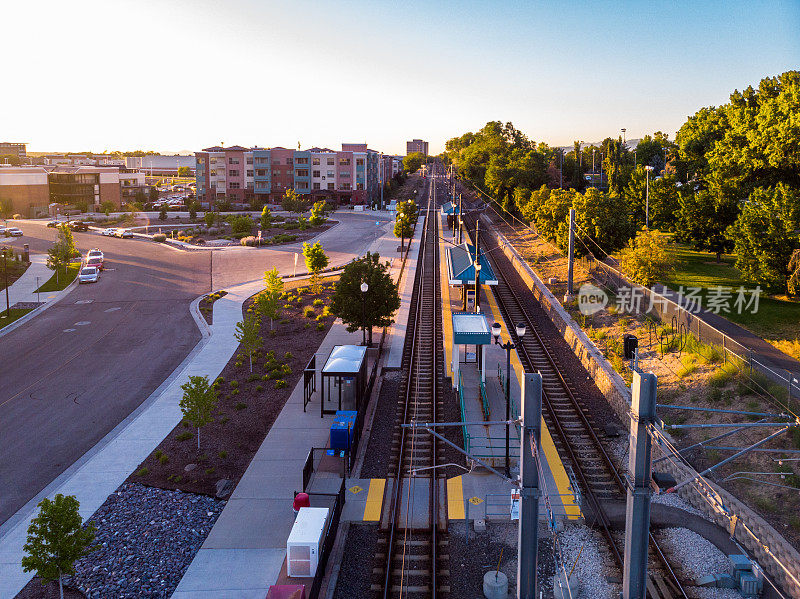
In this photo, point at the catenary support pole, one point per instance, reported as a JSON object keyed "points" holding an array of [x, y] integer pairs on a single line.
{"points": [[571, 253], [529, 495], [477, 265], [637, 512]]}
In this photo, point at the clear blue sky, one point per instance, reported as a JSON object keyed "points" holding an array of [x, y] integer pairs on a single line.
{"points": [[185, 74]]}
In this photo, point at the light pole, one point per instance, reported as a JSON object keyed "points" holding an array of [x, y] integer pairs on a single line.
{"points": [[508, 346], [399, 218], [647, 169], [364, 289], [623, 135], [594, 183]]}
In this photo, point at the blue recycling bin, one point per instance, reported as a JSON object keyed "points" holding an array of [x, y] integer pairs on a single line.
{"points": [[346, 416], [341, 435]]}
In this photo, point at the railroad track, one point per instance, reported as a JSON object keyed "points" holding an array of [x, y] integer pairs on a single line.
{"points": [[575, 430], [412, 558]]}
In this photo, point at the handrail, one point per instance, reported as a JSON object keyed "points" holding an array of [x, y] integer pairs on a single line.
{"points": [[485, 400]]}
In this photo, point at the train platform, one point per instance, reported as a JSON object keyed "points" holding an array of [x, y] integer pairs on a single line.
{"points": [[479, 494]]}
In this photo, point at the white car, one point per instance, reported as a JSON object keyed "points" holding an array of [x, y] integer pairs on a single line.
{"points": [[110, 232], [88, 274], [13, 232], [95, 253]]}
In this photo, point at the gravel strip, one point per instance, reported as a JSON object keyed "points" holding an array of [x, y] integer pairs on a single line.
{"points": [[593, 566], [146, 539], [675, 500], [355, 573], [376, 462], [697, 556]]}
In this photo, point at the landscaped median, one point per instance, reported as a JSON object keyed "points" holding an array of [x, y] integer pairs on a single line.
{"points": [[61, 279], [7, 318]]}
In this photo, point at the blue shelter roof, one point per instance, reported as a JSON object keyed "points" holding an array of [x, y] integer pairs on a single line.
{"points": [[449, 208], [470, 328], [460, 268]]}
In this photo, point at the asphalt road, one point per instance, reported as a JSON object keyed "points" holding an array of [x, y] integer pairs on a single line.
{"points": [[72, 373]]}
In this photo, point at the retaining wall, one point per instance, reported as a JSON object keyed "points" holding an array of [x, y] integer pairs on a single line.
{"points": [[776, 555]]}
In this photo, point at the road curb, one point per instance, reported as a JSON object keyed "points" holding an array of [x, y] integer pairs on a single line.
{"points": [[36, 311]]}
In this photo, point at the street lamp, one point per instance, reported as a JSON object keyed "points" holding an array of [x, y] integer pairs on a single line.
{"points": [[364, 289], [508, 346], [400, 219], [647, 169]]}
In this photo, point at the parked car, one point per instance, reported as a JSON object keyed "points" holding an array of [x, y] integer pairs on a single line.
{"points": [[88, 274], [124, 234], [110, 232], [53, 224], [95, 253], [13, 232], [97, 262], [78, 225]]}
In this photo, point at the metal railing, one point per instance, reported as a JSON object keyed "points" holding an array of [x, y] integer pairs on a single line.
{"points": [[331, 528], [309, 380], [485, 401]]}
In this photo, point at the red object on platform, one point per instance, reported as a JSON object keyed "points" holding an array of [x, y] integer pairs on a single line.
{"points": [[301, 500], [287, 591]]}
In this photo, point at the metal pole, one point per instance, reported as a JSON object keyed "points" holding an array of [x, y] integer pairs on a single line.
{"points": [[528, 544], [647, 201], [571, 253], [561, 170], [637, 512], [477, 265], [38, 298], [508, 347], [363, 318], [5, 276]]}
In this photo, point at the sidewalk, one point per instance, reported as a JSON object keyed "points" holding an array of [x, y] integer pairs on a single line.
{"points": [[248, 541], [24, 288]]}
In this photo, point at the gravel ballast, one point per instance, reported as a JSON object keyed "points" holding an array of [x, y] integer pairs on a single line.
{"points": [[146, 539], [592, 568]]}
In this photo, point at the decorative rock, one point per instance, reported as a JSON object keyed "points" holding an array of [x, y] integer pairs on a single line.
{"points": [[560, 590], [495, 585], [224, 487], [189, 467]]}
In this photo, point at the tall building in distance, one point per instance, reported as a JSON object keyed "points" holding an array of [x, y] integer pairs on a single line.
{"points": [[417, 145], [244, 176], [13, 149]]}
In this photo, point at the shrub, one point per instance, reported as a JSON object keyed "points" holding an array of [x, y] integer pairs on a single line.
{"points": [[259, 388], [224, 420], [144, 471], [249, 241], [223, 454], [159, 237], [209, 471], [240, 406], [725, 374], [688, 366], [234, 384], [252, 377], [184, 436], [326, 311], [320, 326], [280, 384], [288, 355], [307, 325], [308, 312], [163, 458], [317, 302], [235, 392]]}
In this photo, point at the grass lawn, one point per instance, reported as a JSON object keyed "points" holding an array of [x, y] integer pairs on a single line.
{"points": [[16, 313], [776, 319], [65, 277]]}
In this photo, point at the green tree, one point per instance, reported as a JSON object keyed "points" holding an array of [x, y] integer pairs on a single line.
{"points": [[317, 214], [413, 162], [210, 217], [57, 258], [248, 335], [152, 194], [794, 274], [292, 202], [268, 301], [765, 236], [241, 225], [377, 306], [107, 207], [162, 214], [11, 159], [316, 261], [184, 171], [198, 403], [6, 208], [703, 220], [56, 540], [603, 218], [266, 218], [646, 258], [409, 211], [192, 209]]}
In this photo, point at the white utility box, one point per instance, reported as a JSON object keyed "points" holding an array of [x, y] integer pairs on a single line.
{"points": [[305, 542]]}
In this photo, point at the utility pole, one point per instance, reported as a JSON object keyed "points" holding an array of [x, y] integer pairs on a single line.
{"points": [[594, 182], [647, 169], [637, 512], [528, 544], [623, 135], [561, 169], [477, 265], [571, 253], [5, 276]]}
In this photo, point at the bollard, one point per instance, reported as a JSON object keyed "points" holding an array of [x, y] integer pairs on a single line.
{"points": [[495, 585]]}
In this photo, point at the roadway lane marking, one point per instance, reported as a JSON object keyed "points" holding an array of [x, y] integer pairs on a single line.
{"points": [[372, 510], [84, 301], [83, 323], [113, 309], [69, 330]]}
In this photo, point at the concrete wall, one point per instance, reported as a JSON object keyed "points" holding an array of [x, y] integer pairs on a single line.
{"points": [[776, 555], [27, 188]]}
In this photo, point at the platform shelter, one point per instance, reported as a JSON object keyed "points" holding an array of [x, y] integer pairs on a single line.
{"points": [[461, 270], [470, 331], [344, 379]]}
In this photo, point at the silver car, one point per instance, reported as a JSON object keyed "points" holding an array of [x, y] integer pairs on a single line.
{"points": [[88, 274]]}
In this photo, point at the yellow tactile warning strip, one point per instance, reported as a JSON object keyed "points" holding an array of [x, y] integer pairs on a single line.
{"points": [[372, 510], [572, 510], [447, 316], [455, 499]]}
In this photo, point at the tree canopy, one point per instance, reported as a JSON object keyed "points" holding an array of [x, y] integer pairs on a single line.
{"points": [[413, 162]]}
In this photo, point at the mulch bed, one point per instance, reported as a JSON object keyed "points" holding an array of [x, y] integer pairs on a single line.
{"points": [[207, 305], [36, 590], [246, 409]]}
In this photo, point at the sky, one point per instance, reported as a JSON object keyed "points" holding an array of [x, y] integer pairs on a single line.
{"points": [[181, 75]]}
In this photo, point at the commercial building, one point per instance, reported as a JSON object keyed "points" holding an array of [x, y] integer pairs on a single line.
{"points": [[242, 176], [417, 145], [158, 165], [26, 188], [89, 185], [13, 149]]}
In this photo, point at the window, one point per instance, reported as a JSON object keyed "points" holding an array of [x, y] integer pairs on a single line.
{"points": [[249, 173], [261, 172], [302, 185], [234, 186], [275, 173], [331, 174], [250, 160], [276, 161], [316, 161], [345, 186], [330, 161], [344, 174], [302, 172], [233, 161], [316, 186], [233, 173], [262, 160], [360, 162], [330, 186], [344, 162], [290, 161], [316, 174], [360, 186], [301, 161]]}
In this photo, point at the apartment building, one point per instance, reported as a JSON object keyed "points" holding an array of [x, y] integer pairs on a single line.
{"points": [[13, 149], [417, 145], [262, 175]]}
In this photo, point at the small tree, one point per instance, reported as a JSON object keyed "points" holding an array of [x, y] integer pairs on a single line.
{"points": [[184, 171], [153, 194], [316, 260], [247, 334], [645, 260], [6, 208], [107, 207], [268, 301], [198, 403], [241, 225], [66, 237], [377, 306], [317, 214], [266, 218], [210, 217], [794, 274], [57, 257], [56, 540], [192, 208], [162, 214], [292, 202]]}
